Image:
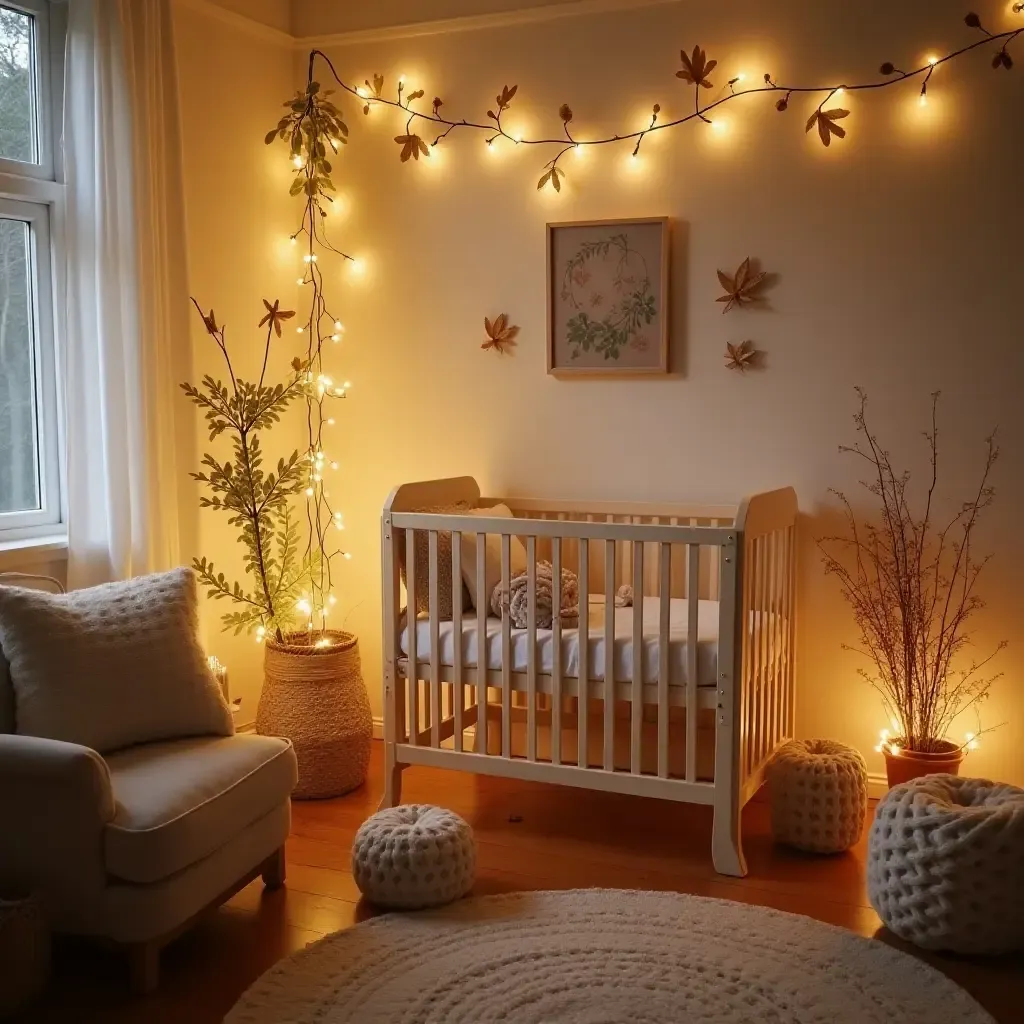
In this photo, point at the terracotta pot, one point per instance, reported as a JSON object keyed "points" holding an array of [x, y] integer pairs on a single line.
{"points": [[315, 697], [912, 764]]}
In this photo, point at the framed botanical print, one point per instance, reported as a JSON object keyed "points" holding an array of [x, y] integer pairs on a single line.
{"points": [[608, 297]]}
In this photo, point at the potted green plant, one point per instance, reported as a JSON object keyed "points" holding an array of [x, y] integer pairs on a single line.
{"points": [[313, 689], [911, 580]]}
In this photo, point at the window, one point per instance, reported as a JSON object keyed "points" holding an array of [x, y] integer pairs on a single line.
{"points": [[31, 198]]}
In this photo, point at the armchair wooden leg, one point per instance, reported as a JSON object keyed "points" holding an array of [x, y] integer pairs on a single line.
{"points": [[144, 964], [273, 870]]}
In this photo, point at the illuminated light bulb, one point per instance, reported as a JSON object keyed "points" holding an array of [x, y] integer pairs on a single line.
{"points": [[401, 79], [313, 258], [347, 384], [309, 492], [323, 641], [362, 91], [741, 77], [293, 240], [334, 465], [578, 150], [894, 749], [298, 161], [839, 92], [335, 338], [348, 556], [299, 330], [316, 478], [330, 422], [300, 280], [923, 100], [307, 258], [932, 59], [358, 267], [878, 749], [517, 137], [331, 599], [338, 325], [884, 734], [719, 125]]}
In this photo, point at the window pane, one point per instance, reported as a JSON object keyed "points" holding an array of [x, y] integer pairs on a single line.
{"points": [[19, 431], [17, 87]]}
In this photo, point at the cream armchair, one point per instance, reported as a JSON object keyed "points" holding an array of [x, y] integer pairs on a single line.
{"points": [[132, 846]]}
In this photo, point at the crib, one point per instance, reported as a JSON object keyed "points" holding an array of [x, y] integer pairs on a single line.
{"points": [[688, 700]]}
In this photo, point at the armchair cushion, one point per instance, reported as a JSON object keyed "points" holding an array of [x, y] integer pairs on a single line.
{"points": [[180, 801], [111, 666]]}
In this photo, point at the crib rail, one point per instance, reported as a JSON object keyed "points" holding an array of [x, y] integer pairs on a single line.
{"points": [[625, 701]]}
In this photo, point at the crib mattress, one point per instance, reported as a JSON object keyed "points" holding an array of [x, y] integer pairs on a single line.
{"points": [[707, 643]]}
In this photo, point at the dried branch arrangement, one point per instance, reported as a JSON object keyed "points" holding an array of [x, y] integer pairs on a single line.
{"points": [[911, 582], [696, 72]]}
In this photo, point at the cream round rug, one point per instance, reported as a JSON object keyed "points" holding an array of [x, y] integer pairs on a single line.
{"points": [[601, 956]]}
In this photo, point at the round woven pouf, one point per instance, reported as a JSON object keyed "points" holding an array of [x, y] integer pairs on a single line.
{"points": [[944, 864], [315, 697], [819, 795], [414, 856]]}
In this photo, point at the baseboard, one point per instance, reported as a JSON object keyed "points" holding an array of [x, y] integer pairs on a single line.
{"points": [[878, 785]]}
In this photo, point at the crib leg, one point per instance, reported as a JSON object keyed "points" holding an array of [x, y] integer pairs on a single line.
{"points": [[392, 779], [726, 841]]}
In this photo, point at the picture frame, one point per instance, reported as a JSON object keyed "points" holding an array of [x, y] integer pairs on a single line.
{"points": [[608, 297]]}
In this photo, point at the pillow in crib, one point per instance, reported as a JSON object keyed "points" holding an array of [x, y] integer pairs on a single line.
{"points": [[421, 551], [491, 555]]}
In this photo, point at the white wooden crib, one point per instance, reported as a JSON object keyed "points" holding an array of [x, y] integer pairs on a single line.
{"points": [[688, 721]]}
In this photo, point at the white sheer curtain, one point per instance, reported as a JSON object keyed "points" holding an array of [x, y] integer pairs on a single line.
{"points": [[127, 316]]}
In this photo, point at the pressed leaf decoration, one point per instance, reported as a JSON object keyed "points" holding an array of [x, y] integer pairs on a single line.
{"points": [[565, 112], [742, 356], [826, 123], [275, 315], [741, 287], [412, 146], [500, 333], [554, 176], [696, 68]]}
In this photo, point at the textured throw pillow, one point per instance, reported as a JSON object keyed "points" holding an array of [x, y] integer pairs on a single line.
{"points": [[113, 665], [421, 551], [492, 555]]}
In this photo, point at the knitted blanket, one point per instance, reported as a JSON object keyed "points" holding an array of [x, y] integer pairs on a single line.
{"points": [[517, 598]]}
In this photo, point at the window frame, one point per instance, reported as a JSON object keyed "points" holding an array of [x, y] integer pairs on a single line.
{"points": [[34, 193]]}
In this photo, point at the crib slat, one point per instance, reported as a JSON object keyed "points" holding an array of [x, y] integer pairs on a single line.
{"points": [[609, 655], [790, 726], [664, 661], [778, 663], [458, 687], [410, 632], [506, 647], [692, 666], [556, 650], [761, 587], [531, 649], [747, 661], [583, 637], [482, 601], [637, 708], [433, 702], [716, 573]]}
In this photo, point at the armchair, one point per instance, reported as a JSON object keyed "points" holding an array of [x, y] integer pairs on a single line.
{"points": [[134, 845]]}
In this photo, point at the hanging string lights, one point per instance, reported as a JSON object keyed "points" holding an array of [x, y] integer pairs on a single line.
{"points": [[696, 71]]}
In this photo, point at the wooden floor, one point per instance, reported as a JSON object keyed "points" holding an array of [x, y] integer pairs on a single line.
{"points": [[531, 836]]}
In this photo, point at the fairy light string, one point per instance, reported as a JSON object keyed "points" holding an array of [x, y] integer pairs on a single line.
{"points": [[315, 131], [696, 71]]}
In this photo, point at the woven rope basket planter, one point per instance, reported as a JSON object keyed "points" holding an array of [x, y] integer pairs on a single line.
{"points": [[24, 954], [315, 697]]}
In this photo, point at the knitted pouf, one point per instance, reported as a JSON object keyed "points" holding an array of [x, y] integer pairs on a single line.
{"points": [[414, 856], [944, 864], [819, 795]]}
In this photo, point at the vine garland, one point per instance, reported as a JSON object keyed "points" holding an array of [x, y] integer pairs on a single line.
{"points": [[695, 71], [315, 130]]}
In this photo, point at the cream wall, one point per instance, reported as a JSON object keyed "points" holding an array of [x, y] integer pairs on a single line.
{"points": [[895, 254], [232, 81], [897, 260]]}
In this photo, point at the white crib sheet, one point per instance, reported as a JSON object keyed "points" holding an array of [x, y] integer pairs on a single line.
{"points": [[707, 641]]}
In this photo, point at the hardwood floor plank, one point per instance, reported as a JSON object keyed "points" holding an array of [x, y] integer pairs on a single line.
{"points": [[530, 837]]}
